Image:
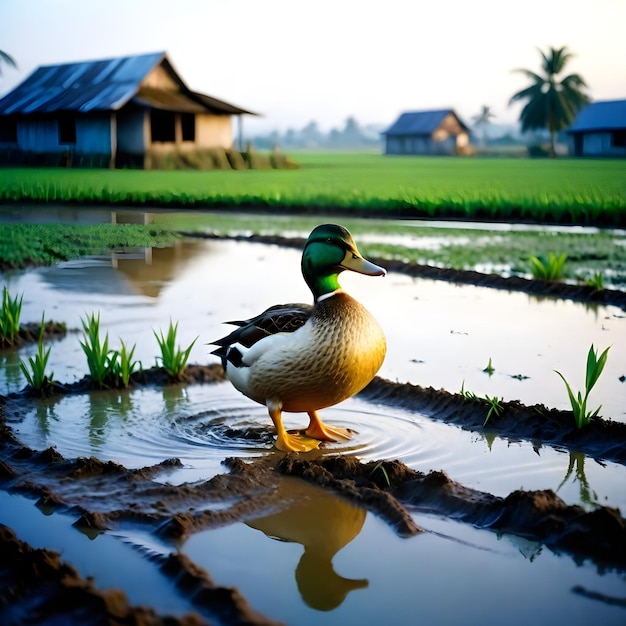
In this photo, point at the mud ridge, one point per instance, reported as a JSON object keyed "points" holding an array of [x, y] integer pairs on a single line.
{"points": [[601, 439], [38, 583], [105, 495], [29, 333], [598, 535], [153, 377]]}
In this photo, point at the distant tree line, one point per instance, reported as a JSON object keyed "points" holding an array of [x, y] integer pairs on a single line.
{"points": [[352, 135]]}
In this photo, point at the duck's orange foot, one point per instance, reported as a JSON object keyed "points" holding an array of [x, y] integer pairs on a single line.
{"points": [[318, 430], [296, 442]]}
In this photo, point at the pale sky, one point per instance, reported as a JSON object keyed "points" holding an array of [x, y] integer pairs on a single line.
{"points": [[295, 61]]}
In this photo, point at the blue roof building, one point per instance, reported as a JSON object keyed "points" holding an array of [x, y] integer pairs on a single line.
{"points": [[120, 111], [600, 130], [439, 131]]}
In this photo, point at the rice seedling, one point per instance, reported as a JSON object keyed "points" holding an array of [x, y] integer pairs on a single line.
{"points": [[596, 281], [565, 190], [467, 394], [493, 402], [10, 316], [36, 376], [121, 364], [97, 353], [550, 268], [380, 466], [173, 359], [490, 369], [595, 365], [495, 407]]}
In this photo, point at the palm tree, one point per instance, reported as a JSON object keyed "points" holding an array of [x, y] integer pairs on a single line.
{"points": [[482, 120], [551, 103], [7, 59]]}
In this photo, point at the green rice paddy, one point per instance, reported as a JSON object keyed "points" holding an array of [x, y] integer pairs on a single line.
{"points": [[577, 191], [363, 191]]}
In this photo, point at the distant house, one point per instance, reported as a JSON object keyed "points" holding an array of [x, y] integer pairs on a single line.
{"points": [[600, 130], [131, 110], [427, 132]]}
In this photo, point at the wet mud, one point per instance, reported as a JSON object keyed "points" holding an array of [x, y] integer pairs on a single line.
{"points": [[104, 495], [31, 331]]}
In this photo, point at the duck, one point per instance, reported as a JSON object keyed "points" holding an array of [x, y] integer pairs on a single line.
{"points": [[300, 357]]}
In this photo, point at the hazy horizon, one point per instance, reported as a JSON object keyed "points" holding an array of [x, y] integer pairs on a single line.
{"points": [[297, 62]]}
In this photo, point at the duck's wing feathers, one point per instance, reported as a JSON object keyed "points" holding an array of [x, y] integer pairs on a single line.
{"points": [[280, 318]]}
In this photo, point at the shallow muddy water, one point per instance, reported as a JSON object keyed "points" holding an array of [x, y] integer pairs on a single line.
{"points": [[310, 556], [439, 334]]}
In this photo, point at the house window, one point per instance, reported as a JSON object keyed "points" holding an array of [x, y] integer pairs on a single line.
{"points": [[8, 130], [188, 124], [618, 139], [162, 126], [67, 130]]}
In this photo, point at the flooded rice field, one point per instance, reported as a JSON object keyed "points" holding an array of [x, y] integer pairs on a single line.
{"points": [[134, 488]]}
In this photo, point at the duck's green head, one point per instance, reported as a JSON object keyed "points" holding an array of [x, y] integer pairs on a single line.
{"points": [[329, 250]]}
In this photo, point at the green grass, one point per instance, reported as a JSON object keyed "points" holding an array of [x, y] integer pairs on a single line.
{"points": [[560, 190], [49, 243]]}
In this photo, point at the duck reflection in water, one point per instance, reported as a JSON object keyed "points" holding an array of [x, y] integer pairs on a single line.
{"points": [[323, 523]]}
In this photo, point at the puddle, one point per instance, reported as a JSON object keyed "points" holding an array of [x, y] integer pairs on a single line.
{"points": [[439, 334], [430, 579], [203, 424], [314, 556]]}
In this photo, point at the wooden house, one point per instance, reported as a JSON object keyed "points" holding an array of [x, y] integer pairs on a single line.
{"points": [[427, 132], [599, 130], [131, 110]]}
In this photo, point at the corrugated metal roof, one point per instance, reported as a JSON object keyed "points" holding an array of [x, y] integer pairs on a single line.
{"points": [[104, 85], [602, 115], [420, 122]]}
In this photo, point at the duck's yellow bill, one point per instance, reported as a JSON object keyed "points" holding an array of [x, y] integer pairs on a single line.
{"points": [[356, 263]]}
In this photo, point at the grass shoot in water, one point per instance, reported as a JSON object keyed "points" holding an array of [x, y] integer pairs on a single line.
{"points": [[10, 316], [121, 364], [97, 352], [173, 359], [550, 268], [36, 376], [595, 365]]}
